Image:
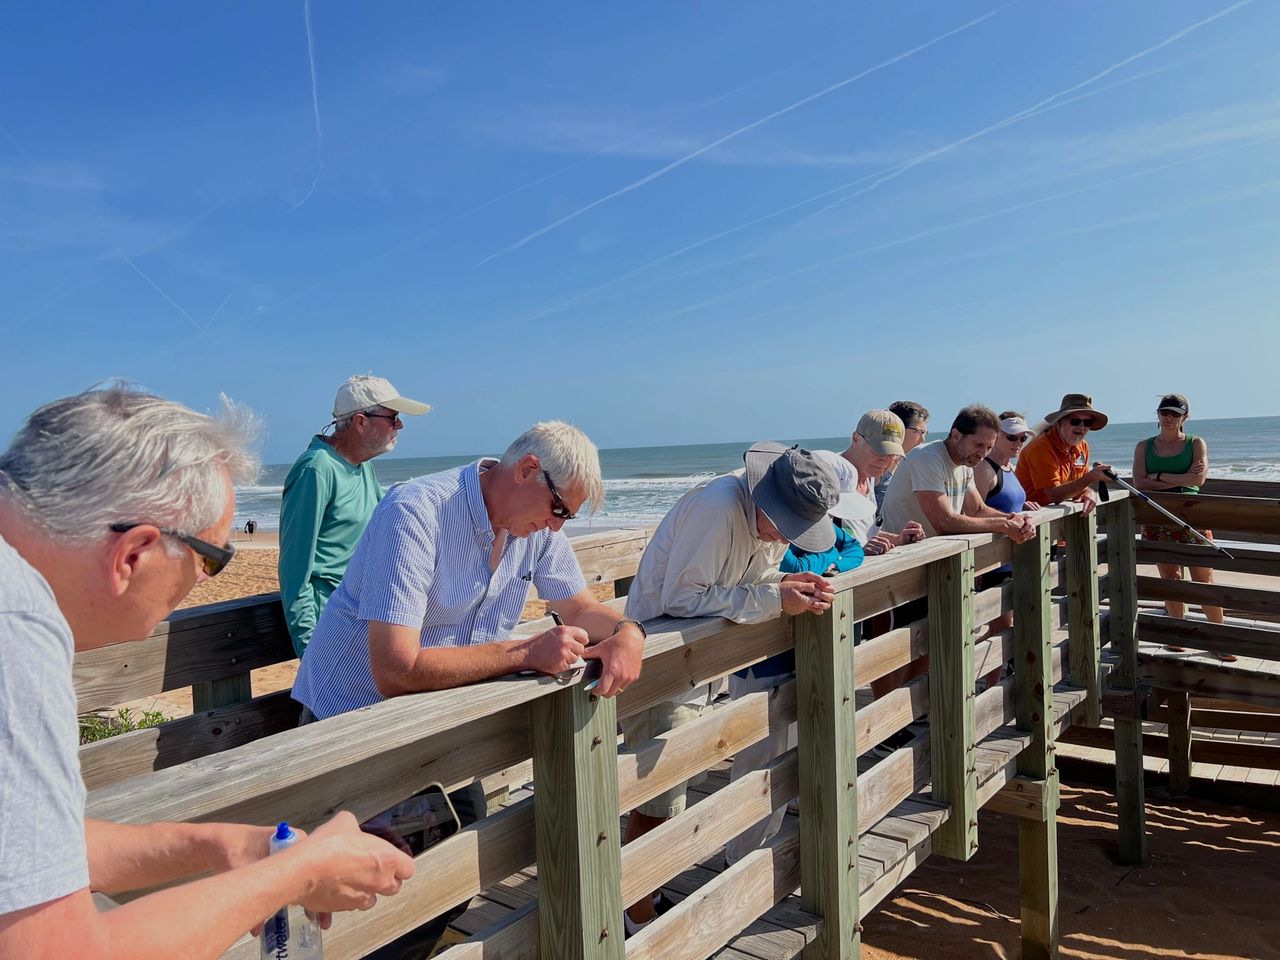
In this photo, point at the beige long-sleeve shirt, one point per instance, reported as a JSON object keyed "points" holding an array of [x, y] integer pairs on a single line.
{"points": [[707, 560]]}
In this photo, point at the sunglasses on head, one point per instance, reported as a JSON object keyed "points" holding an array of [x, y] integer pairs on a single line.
{"points": [[558, 507], [213, 559], [1080, 421]]}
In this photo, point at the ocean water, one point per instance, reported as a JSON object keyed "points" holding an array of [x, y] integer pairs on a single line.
{"points": [[642, 483]]}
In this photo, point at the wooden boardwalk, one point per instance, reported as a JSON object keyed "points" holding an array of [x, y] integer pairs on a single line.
{"points": [[888, 852]]}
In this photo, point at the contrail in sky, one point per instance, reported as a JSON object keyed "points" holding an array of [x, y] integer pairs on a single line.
{"points": [[968, 221], [674, 164], [234, 291], [1021, 115], [315, 102], [156, 287], [689, 248]]}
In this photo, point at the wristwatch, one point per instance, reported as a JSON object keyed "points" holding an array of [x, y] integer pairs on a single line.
{"points": [[644, 634]]}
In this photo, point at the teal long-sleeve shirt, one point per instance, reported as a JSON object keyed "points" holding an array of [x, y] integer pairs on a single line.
{"points": [[327, 504]]}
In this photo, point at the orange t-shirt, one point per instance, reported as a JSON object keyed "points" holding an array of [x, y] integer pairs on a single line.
{"points": [[1047, 462]]}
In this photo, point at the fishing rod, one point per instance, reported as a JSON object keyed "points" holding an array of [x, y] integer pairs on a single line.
{"points": [[1102, 490]]}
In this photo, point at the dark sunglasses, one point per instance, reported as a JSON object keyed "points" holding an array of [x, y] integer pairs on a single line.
{"points": [[382, 416], [213, 559], [1016, 437], [1169, 413], [558, 507], [1080, 421]]}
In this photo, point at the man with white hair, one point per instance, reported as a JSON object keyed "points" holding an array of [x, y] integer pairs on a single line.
{"points": [[113, 504], [440, 579], [330, 494]]}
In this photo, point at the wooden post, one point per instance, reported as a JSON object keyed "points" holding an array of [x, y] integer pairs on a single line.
{"points": [[1084, 639], [1033, 691], [1179, 705], [828, 779], [951, 699], [1122, 577], [575, 775], [209, 694]]}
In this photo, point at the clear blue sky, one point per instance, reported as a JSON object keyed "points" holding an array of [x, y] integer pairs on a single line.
{"points": [[667, 222]]}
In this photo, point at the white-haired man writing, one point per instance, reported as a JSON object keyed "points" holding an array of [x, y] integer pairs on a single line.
{"points": [[440, 578], [113, 504]]}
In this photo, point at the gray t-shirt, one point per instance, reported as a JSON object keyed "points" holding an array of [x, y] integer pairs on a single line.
{"points": [[42, 845], [926, 468]]}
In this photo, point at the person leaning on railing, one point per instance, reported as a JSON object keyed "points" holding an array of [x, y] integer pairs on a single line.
{"points": [[1174, 461], [716, 554], [439, 581], [113, 504]]}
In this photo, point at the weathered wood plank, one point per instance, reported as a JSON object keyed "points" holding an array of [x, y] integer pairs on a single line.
{"points": [[828, 778], [178, 741], [1214, 680], [951, 696], [1122, 570], [1261, 559], [1214, 637], [1178, 710], [1033, 679], [1205, 511], [575, 753], [1229, 596], [1082, 611]]}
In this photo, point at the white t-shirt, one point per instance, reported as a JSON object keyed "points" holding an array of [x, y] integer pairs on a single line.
{"points": [[926, 468], [862, 527], [42, 847]]}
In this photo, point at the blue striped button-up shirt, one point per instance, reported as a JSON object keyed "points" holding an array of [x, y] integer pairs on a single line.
{"points": [[424, 562]]}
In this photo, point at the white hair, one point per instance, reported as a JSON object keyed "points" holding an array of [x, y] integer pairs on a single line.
{"points": [[566, 454], [116, 454]]}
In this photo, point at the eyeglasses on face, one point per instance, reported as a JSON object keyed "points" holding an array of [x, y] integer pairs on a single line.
{"points": [[394, 417], [920, 432], [1080, 421], [558, 507], [213, 559], [1016, 437]]}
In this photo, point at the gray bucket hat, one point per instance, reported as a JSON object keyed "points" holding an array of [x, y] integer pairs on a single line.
{"points": [[796, 491]]}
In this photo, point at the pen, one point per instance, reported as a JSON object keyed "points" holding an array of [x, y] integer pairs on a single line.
{"points": [[567, 675]]}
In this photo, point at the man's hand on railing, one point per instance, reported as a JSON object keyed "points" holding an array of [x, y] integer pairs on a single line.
{"points": [[806, 593], [1088, 499], [554, 651], [621, 657], [1019, 528]]}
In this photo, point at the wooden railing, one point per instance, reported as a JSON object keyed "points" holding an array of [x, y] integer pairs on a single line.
{"points": [[212, 650], [1235, 703], [862, 828]]}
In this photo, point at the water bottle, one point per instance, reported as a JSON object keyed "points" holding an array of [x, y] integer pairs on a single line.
{"points": [[290, 934]]}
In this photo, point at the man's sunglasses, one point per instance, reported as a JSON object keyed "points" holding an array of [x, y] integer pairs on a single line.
{"points": [[213, 559], [558, 507], [1016, 437], [1080, 421], [382, 416]]}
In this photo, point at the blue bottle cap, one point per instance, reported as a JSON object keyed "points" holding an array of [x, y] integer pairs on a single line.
{"points": [[282, 831]]}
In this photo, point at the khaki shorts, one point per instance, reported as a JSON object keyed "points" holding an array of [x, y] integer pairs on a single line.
{"points": [[646, 725]]}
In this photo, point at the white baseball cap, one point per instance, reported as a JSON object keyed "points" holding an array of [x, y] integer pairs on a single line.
{"points": [[363, 391]]}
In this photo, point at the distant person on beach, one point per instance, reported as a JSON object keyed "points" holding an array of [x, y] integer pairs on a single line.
{"points": [[439, 581], [934, 484], [330, 494], [1174, 461], [716, 554], [250, 527], [113, 505], [875, 446], [1054, 467], [915, 422]]}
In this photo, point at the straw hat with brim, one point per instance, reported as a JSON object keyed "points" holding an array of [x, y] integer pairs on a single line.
{"points": [[1078, 403], [796, 491]]}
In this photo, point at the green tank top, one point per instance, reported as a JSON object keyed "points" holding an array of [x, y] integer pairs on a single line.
{"points": [[1180, 462]]}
